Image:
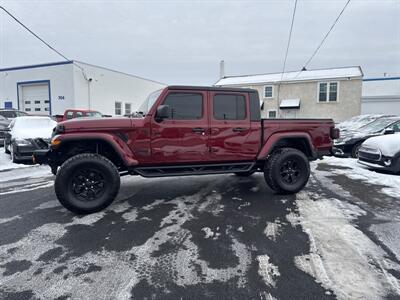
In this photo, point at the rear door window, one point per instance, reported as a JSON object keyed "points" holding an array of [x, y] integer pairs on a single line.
{"points": [[229, 107], [185, 106]]}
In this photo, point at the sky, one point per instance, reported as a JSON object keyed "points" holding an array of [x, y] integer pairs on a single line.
{"points": [[182, 42]]}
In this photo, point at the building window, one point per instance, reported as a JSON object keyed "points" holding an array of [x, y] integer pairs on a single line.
{"points": [[27, 109], [185, 106], [118, 108], [46, 101], [46, 109], [128, 107], [37, 109], [37, 101], [272, 114], [268, 91], [229, 107], [327, 91], [27, 102]]}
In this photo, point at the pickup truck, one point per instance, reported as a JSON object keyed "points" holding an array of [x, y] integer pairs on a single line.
{"points": [[77, 113], [182, 130]]}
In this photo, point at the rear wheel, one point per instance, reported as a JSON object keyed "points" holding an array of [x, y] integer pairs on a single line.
{"points": [[87, 183], [287, 171]]}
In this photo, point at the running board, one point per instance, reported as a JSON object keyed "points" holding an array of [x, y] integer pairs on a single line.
{"points": [[193, 169]]}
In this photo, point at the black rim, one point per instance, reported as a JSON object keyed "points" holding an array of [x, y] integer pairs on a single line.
{"points": [[88, 184], [290, 171]]}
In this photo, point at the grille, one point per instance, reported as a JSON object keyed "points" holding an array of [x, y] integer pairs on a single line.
{"points": [[369, 156]]}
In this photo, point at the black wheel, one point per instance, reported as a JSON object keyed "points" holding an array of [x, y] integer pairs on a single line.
{"points": [[354, 151], [87, 183], [13, 157], [5, 148], [245, 174], [287, 171]]}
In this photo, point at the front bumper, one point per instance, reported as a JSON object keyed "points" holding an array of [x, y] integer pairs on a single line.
{"points": [[41, 156], [394, 167]]}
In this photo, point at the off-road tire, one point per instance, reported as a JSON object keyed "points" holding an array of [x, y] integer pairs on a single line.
{"points": [[64, 183], [272, 170], [245, 174]]}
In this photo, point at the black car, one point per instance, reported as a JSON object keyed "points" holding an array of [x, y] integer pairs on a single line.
{"points": [[12, 113], [27, 134], [4, 122], [350, 142]]}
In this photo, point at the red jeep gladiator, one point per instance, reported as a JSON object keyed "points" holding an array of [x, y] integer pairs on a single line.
{"points": [[182, 130]]}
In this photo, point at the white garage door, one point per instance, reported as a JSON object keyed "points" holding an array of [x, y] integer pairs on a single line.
{"points": [[35, 98]]}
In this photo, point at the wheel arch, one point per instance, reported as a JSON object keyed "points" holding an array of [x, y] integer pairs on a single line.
{"points": [[111, 147], [299, 141]]}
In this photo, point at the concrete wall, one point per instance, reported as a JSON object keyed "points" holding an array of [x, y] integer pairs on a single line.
{"points": [[61, 84], [107, 87], [347, 105]]}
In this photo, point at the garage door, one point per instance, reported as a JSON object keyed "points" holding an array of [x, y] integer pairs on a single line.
{"points": [[35, 98]]}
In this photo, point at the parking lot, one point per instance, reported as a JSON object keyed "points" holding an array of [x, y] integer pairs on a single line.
{"points": [[207, 237]]}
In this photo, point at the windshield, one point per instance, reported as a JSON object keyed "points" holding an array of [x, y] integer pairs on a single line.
{"points": [[377, 125], [148, 103], [33, 123]]}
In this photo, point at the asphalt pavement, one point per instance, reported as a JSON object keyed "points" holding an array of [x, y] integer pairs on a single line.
{"points": [[204, 237]]}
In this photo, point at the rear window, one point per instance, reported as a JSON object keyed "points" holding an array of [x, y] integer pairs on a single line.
{"points": [[229, 107], [255, 109]]}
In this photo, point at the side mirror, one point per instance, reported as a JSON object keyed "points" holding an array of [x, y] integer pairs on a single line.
{"points": [[163, 112], [388, 131]]}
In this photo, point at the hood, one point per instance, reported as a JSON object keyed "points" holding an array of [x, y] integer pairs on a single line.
{"points": [[33, 133], [104, 124], [389, 144]]}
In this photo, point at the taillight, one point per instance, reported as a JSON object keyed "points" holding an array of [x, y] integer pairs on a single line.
{"points": [[335, 133]]}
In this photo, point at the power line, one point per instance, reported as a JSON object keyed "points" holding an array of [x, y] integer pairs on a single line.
{"points": [[34, 34], [325, 37], [289, 39]]}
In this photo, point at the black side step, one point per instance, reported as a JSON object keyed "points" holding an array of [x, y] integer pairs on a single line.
{"points": [[193, 169]]}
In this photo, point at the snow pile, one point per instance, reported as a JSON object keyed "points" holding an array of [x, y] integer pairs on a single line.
{"points": [[342, 258], [357, 122], [6, 162], [356, 171], [389, 145], [272, 230]]}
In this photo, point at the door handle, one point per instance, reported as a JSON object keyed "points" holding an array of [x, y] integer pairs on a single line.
{"points": [[239, 129], [198, 129]]}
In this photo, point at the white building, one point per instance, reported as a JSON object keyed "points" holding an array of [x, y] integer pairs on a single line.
{"points": [[50, 89], [381, 96], [324, 93]]}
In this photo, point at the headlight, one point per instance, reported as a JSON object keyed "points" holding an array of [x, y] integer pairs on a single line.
{"points": [[22, 142]]}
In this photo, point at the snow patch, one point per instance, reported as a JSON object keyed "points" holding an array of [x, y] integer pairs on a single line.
{"points": [[341, 257], [268, 271], [272, 230]]}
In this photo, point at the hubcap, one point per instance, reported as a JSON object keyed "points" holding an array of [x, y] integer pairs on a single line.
{"points": [[88, 184], [290, 171]]}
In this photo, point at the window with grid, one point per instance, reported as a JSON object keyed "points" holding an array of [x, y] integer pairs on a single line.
{"points": [[328, 91], [128, 108], [118, 108], [268, 91]]}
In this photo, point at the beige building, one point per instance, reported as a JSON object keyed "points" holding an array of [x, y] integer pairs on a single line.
{"points": [[326, 93]]}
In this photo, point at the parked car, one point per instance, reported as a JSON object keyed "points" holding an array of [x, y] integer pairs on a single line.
{"points": [[4, 122], [77, 113], [12, 113], [357, 122], [349, 143], [381, 152], [27, 134], [182, 131]]}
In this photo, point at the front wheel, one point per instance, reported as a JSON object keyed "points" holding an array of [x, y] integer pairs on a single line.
{"points": [[287, 171], [87, 183]]}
